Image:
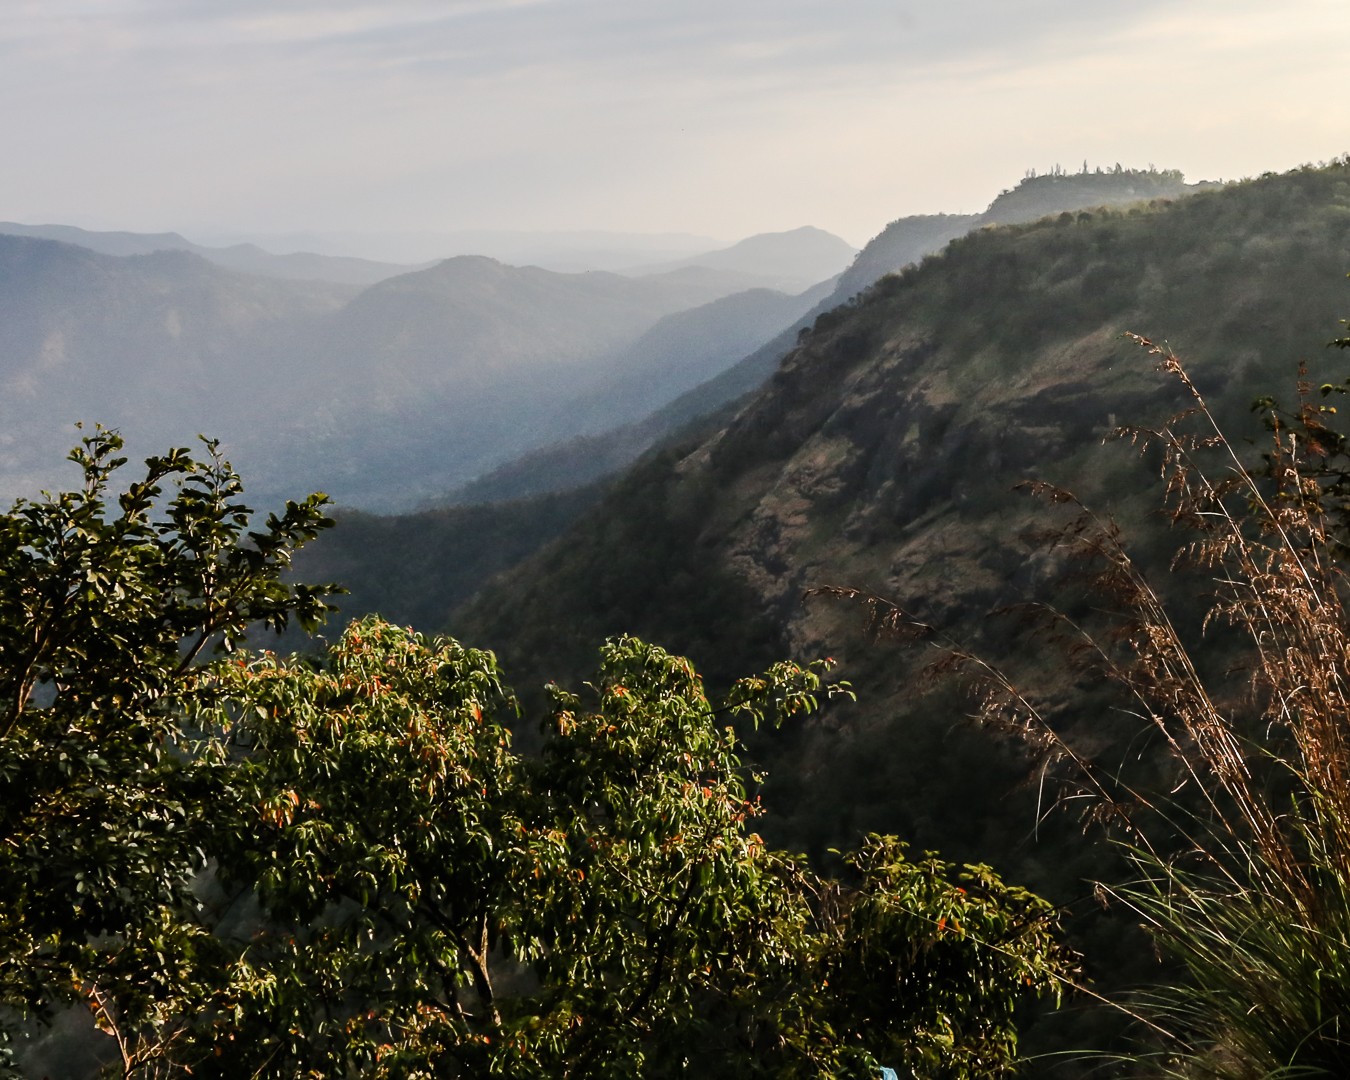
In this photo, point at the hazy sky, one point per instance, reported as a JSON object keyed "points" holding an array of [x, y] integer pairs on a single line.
{"points": [[718, 117]]}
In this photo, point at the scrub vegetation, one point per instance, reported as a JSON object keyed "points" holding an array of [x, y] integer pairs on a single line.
{"points": [[245, 865]]}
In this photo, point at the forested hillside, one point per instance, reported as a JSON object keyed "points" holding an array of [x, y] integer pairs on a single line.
{"points": [[883, 453], [882, 456]]}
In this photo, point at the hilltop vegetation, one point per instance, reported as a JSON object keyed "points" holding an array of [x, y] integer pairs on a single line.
{"points": [[908, 239]]}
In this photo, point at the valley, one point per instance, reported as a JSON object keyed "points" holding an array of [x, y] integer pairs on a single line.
{"points": [[535, 461], [385, 394], [882, 455]]}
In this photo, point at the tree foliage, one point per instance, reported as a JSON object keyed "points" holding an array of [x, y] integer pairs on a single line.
{"points": [[262, 866], [433, 904], [110, 606]]}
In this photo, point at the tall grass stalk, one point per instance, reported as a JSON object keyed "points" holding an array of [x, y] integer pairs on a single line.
{"points": [[1243, 856], [1255, 904]]}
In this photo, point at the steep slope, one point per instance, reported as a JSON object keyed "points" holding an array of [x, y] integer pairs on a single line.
{"points": [[904, 241], [882, 455]]}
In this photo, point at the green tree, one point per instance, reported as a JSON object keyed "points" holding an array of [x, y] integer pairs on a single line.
{"points": [[110, 606], [250, 865], [433, 904]]}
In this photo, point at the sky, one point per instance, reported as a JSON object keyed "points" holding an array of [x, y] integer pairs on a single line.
{"points": [[721, 118]]}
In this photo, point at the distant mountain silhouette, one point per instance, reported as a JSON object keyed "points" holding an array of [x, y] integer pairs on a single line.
{"points": [[792, 260], [247, 258], [383, 396]]}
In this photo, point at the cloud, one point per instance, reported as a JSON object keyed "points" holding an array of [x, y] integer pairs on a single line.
{"points": [[508, 34], [668, 114]]}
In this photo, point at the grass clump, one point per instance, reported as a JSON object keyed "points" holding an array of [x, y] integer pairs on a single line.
{"points": [[1255, 901], [1235, 817]]}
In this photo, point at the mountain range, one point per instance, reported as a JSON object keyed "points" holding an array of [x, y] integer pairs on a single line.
{"points": [[569, 251], [903, 242], [246, 258], [382, 394], [387, 386], [873, 441]]}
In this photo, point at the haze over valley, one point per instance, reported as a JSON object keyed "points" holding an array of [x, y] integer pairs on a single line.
{"points": [[765, 334], [382, 395]]}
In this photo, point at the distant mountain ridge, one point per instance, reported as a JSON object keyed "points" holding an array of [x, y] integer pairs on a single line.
{"points": [[904, 242], [246, 258], [382, 396], [795, 259], [447, 371], [569, 251], [792, 260]]}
